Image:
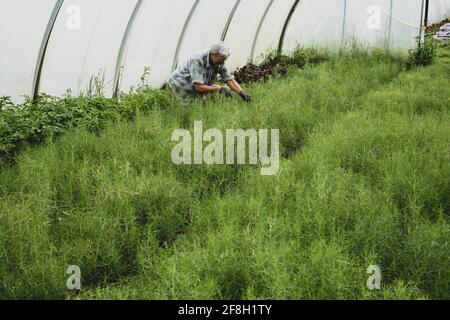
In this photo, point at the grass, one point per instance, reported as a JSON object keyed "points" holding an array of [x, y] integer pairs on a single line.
{"points": [[364, 181]]}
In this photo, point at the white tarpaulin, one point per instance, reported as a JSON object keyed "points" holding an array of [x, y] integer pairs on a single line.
{"points": [[57, 45]]}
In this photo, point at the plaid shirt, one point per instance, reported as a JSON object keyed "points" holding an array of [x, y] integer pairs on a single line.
{"points": [[198, 69]]}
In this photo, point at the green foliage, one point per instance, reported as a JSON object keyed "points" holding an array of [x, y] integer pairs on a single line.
{"points": [[299, 58], [435, 27], [363, 181], [423, 55], [48, 117]]}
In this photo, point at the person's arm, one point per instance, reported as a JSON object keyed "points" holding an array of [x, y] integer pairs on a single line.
{"points": [[200, 87], [233, 84]]}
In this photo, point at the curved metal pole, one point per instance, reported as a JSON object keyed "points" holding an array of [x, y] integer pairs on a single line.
{"points": [[258, 30], [230, 18], [390, 24], [123, 45], [183, 32], [43, 48], [421, 23], [427, 7], [344, 23], [286, 24]]}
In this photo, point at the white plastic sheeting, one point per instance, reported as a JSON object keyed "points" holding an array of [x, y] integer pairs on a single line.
{"points": [[211, 13], [115, 40], [78, 48], [405, 27], [153, 42], [369, 21], [437, 8], [316, 22], [243, 29], [268, 37], [22, 27]]}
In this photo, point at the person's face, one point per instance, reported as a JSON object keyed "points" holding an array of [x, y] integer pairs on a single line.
{"points": [[217, 60]]}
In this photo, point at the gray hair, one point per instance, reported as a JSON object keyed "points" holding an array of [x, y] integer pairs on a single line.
{"points": [[220, 49]]}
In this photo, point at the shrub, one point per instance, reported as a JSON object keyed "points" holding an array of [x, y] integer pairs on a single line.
{"points": [[423, 55], [47, 117]]}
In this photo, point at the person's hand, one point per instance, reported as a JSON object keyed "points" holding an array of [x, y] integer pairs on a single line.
{"points": [[245, 96], [226, 92]]}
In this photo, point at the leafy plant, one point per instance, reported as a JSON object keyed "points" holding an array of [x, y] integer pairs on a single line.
{"points": [[423, 55], [47, 117]]}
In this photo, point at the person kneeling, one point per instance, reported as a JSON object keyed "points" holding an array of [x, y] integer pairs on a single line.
{"points": [[196, 77]]}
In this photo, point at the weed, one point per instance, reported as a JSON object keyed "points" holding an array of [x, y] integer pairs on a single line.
{"points": [[423, 55]]}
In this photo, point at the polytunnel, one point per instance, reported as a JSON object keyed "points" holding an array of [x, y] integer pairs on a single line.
{"points": [[53, 46]]}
